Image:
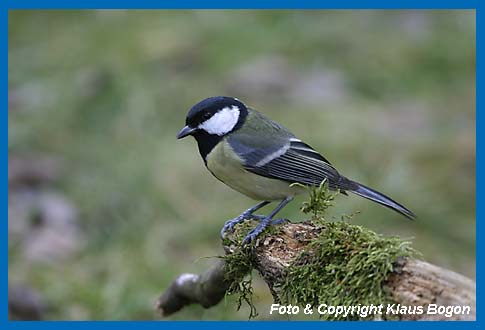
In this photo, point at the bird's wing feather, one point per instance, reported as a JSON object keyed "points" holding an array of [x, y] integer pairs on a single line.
{"points": [[297, 165], [252, 143], [282, 156]]}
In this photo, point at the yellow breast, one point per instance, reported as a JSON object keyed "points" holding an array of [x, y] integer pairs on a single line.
{"points": [[226, 166]]}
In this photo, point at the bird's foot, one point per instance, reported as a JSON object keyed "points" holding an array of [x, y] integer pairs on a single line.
{"points": [[279, 221], [253, 234], [230, 224]]}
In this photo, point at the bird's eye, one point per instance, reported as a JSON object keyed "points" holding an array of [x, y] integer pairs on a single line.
{"points": [[206, 115]]}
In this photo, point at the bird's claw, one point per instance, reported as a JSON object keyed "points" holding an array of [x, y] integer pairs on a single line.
{"points": [[279, 221], [253, 234], [230, 224]]}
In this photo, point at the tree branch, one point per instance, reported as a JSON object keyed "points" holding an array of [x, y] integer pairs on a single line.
{"points": [[411, 283], [206, 290]]}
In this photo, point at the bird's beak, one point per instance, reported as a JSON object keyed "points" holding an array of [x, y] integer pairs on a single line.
{"points": [[187, 130]]}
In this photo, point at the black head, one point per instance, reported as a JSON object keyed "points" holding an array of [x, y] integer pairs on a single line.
{"points": [[217, 115], [211, 119]]}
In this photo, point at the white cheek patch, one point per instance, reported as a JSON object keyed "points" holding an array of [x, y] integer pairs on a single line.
{"points": [[221, 122]]}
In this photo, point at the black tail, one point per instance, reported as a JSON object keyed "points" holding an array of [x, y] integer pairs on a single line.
{"points": [[366, 192]]}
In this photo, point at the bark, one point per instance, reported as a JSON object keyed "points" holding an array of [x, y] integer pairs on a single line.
{"points": [[207, 290], [412, 282]]}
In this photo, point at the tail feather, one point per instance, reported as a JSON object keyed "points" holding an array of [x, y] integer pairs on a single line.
{"points": [[375, 196]]}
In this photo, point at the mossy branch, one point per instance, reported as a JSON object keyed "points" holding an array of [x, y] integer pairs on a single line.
{"points": [[313, 262]]}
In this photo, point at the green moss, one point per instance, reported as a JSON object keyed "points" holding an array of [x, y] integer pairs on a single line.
{"points": [[345, 265], [320, 199], [239, 267]]}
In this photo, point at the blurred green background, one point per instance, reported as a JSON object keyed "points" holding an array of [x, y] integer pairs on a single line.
{"points": [[106, 207]]}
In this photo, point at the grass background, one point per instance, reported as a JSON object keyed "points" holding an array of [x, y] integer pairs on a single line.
{"points": [[387, 96]]}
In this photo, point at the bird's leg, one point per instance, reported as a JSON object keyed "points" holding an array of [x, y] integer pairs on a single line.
{"points": [[248, 214], [266, 221], [278, 221]]}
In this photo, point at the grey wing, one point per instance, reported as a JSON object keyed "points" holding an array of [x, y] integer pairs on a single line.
{"points": [[252, 145], [299, 163], [287, 159]]}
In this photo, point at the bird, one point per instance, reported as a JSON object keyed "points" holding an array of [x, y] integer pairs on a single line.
{"points": [[261, 159]]}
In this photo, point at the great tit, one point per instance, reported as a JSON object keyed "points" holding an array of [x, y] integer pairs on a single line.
{"points": [[261, 159]]}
